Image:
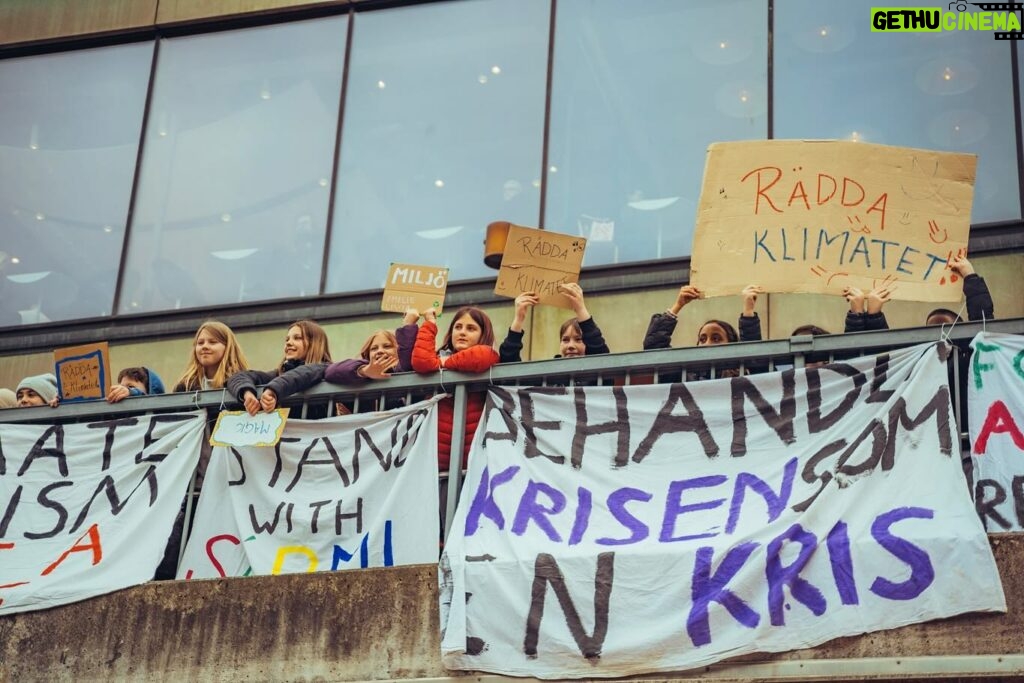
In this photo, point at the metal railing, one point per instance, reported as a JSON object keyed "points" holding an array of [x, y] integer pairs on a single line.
{"points": [[640, 367]]}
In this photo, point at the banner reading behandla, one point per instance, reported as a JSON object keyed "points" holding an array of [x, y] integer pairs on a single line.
{"points": [[818, 216]]}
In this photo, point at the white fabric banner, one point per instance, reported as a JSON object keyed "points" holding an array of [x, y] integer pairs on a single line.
{"points": [[343, 493], [995, 403], [617, 531], [87, 508]]}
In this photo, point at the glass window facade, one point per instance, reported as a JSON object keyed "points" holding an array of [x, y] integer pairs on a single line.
{"points": [[69, 139], [443, 134], [639, 92], [236, 169], [949, 90]]}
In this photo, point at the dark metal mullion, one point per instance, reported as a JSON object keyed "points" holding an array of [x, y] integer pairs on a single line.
{"points": [[770, 133], [133, 197], [1015, 83], [329, 225], [547, 117]]}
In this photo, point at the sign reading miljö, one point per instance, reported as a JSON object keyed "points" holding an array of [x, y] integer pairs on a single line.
{"points": [[239, 428], [347, 492], [419, 287], [996, 407], [88, 507], [83, 372], [817, 216], [616, 531], [539, 261]]}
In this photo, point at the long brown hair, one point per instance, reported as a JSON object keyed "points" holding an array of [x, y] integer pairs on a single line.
{"points": [[480, 318], [388, 334], [318, 349], [232, 362]]}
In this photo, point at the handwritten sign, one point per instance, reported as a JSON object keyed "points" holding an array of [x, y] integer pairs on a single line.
{"points": [[713, 518], [538, 261], [239, 428], [83, 372], [419, 287], [817, 216]]}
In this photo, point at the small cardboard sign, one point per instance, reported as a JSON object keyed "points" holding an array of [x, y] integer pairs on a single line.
{"points": [[411, 286], [538, 261], [820, 215], [239, 428], [83, 372]]}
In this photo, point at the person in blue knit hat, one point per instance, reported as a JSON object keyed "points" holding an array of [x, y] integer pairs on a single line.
{"points": [[135, 382], [38, 390]]}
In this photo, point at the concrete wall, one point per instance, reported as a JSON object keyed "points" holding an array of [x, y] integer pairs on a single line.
{"points": [[383, 624]]}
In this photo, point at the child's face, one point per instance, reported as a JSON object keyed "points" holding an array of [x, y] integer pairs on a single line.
{"points": [[132, 383], [465, 333], [28, 398], [382, 348], [571, 344], [294, 344], [712, 334], [209, 352]]}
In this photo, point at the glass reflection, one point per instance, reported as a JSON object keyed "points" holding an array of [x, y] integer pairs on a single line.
{"points": [[640, 90], [949, 91], [69, 137], [443, 129], [233, 193]]}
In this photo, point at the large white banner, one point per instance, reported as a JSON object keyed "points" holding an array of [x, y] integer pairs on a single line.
{"points": [[348, 492], [996, 407], [87, 508], [616, 531]]}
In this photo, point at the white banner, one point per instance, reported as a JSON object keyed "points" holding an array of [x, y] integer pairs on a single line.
{"points": [[995, 399], [87, 508], [343, 493], [617, 531]]}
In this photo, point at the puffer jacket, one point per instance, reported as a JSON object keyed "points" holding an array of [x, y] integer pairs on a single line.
{"points": [[474, 359]]}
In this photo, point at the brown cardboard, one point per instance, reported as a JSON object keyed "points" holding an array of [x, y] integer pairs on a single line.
{"points": [[83, 372], [410, 286], [816, 216], [538, 261]]}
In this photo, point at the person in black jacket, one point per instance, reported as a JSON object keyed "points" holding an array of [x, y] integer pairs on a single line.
{"points": [[306, 356], [865, 312], [578, 336], [712, 332], [979, 300]]}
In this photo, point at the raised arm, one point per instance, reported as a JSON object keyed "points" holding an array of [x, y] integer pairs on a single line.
{"points": [[662, 325], [424, 353]]}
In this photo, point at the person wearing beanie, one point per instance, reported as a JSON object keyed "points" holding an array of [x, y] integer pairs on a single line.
{"points": [[135, 382], [7, 399], [38, 390]]}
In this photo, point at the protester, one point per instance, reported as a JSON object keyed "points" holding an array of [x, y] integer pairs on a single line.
{"points": [[306, 355], [38, 390], [712, 332], [865, 312], [979, 301], [216, 355], [467, 347], [138, 381], [578, 336]]}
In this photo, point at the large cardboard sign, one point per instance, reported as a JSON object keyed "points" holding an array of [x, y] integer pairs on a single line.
{"points": [[817, 216], [996, 420], [411, 286], [539, 261], [347, 492], [608, 532], [83, 372], [88, 507]]}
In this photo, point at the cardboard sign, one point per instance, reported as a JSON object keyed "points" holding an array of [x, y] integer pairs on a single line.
{"points": [[538, 261], [817, 216], [239, 428], [83, 372], [419, 287]]}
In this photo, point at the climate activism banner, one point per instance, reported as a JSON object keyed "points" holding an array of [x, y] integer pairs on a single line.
{"points": [[996, 407], [348, 492], [87, 508], [616, 531]]}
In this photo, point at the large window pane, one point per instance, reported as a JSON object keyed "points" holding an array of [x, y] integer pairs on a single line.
{"points": [[951, 90], [232, 201], [443, 133], [640, 90], [69, 137]]}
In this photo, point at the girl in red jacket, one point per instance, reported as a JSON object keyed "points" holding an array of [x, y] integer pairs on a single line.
{"points": [[467, 347]]}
